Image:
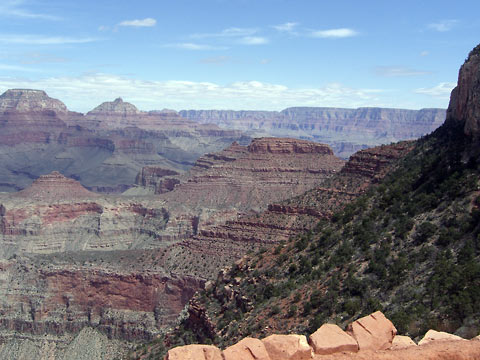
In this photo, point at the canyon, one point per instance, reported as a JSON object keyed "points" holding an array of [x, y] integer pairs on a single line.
{"points": [[103, 149], [345, 130], [85, 267]]}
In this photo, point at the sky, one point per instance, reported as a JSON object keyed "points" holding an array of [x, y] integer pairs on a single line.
{"points": [[238, 54]]}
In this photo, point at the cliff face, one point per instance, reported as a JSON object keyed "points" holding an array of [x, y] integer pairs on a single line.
{"points": [[345, 130], [465, 98]]}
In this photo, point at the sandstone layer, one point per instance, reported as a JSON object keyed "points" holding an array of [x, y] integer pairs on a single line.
{"points": [[330, 342]]}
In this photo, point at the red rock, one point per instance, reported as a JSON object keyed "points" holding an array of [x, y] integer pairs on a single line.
{"points": [[443, 350], [194, 352], [287, 146], [287, 347], [247, 349], [401, 342], [329, 339], [433, 335], [465, 98], [373, 332], [54, 187]]}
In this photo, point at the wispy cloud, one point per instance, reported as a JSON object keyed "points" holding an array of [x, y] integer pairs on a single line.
{"points": [[229, 32], [254, 40], [43, 40], [286, 27], [216, 60], [147, 22], [195, 46], [424, 53], [399, 71], [16, 8], [441, 90], [83, 93], [443, 25], [334, 33]]}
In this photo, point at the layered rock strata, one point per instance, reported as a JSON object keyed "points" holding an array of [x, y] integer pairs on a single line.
{"points": [[345, 130], [104, 149]]}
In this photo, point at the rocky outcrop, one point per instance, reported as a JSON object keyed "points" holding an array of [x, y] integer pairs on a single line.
{"points": [[55, 187], [195, 352], [464, 104], [373, 332], [26, 100], [282, 220], [330, 339], [433, 336], [159, 179], [374, 163], [287, 146], [345, 130], [287, 347], [330, 342], [268, 170], [247, 349]]}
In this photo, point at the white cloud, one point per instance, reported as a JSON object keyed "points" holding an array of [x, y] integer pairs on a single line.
{"points": [[443, 25], [334, 33], [287, 27], [194, 46], [398, 71], [229, 32], [424, 53], [43, 40], [14, 8], [85, 92], [147, 22], [441, 90], [254, 40]]}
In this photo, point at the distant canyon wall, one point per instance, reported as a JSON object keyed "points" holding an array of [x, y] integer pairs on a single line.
{"points": [[345, 130]]}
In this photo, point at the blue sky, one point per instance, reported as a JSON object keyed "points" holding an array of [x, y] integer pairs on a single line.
{"points": [[237, 54]]}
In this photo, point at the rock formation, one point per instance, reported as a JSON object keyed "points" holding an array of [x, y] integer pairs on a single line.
{"points": [[464, 104], [26, 100], [104, 149], [345, 130], [55, 187], [330, 342]]}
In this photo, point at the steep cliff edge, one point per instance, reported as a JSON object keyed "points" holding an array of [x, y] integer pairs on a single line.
{"points": [[464, 104]]}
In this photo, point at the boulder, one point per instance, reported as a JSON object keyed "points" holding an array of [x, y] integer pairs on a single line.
{"points": [[373, 332], [433, 335], [194, 352], [247, 349], [287, 347], [402, 342], [329, 339]]}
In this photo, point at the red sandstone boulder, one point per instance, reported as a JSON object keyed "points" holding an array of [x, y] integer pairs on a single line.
{"points": [[433, 335], [247, 349], [401, 342], [194, 352], [287, 347], [373, 332], [329, 339]]}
